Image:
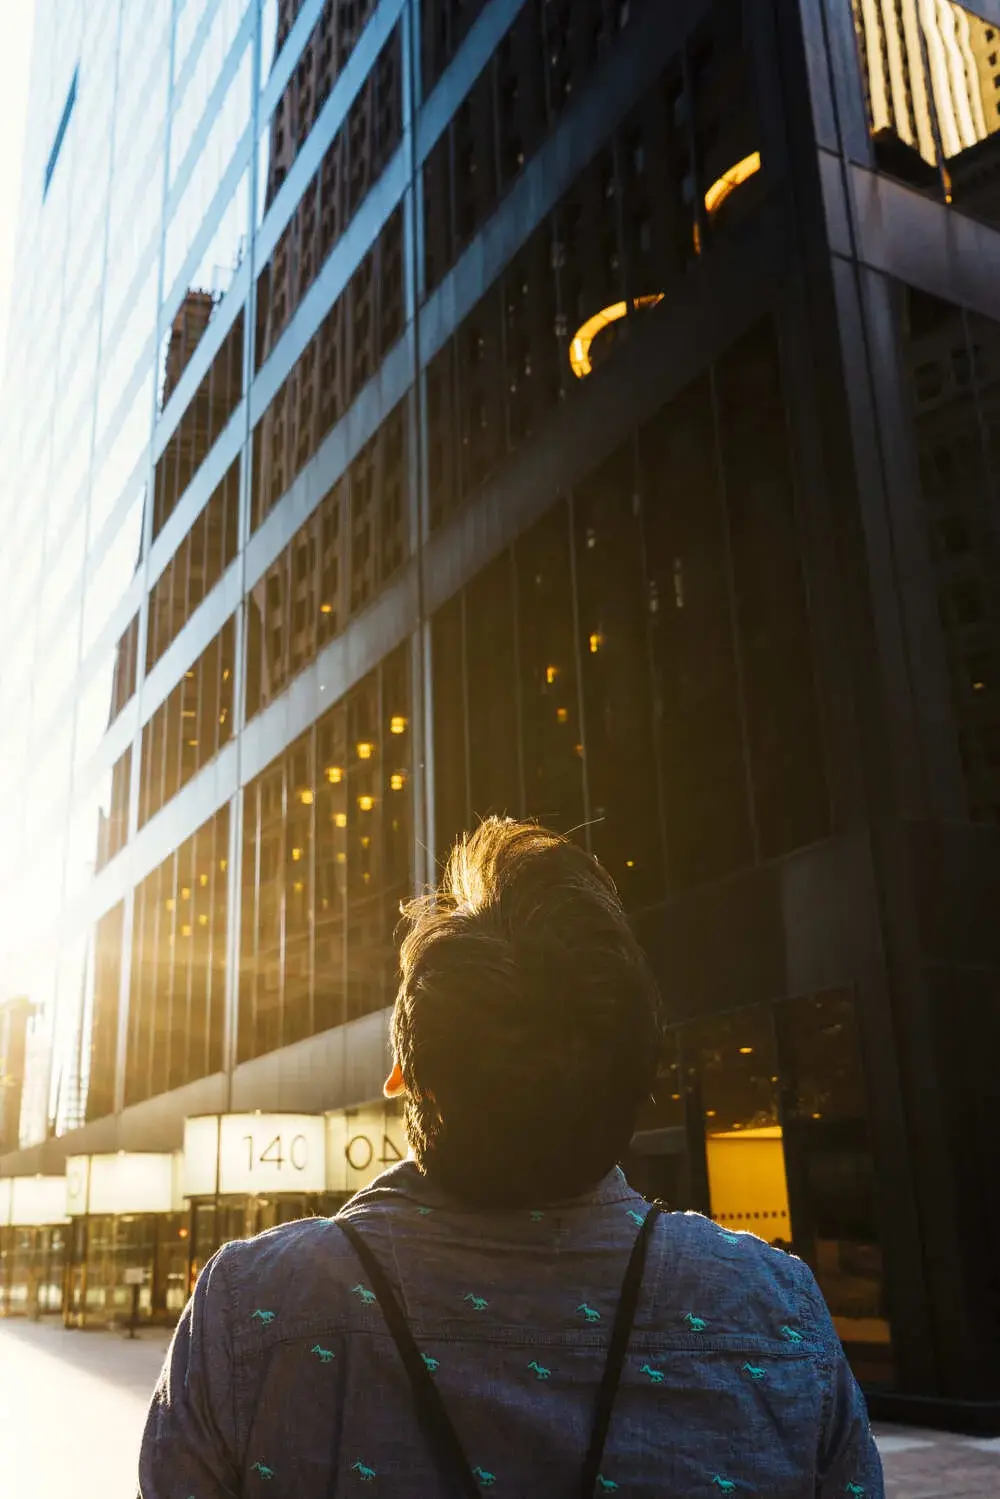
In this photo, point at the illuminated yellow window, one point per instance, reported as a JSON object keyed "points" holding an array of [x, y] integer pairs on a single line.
{"points": [[397, 724], [365, 749], [551, 672], [203, 880], [306, 797], [326, 608], [596, 641], [334, 774], [366, 803], [562, 714], [396, 780], [340, 819], [203, 919], [296, 855], [185, 892]]}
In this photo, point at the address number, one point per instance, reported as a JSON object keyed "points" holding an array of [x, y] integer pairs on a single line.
{"points": [[360, 1152], [273, 1153]]}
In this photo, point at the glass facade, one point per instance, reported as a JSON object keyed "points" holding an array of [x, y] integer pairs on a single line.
{"points": [[418, 410]]}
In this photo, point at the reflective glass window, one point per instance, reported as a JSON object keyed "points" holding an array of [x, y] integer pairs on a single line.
{"points": [[207, 414], [177, 991], [350, 344], [951, 359], [197, 565], [698, 732], [327, 857], [190, 726], [932, 86]]}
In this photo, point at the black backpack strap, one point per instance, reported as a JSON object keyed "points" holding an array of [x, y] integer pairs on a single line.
{"points": [[427, 1399], [618, 1347], [430, 1407]]}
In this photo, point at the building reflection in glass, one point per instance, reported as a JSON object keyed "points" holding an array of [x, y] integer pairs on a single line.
{"points": [[933, 94]]}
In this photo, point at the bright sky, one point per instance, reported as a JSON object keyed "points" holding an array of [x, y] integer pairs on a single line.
{"points": [[15, 58]]}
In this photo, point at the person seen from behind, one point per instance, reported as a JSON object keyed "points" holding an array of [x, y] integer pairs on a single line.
{"points": [[502, 1314]]}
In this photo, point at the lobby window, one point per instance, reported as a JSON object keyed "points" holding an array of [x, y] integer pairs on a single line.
{"points": [[195, 568], [333, 567], [731, 1075], [831, 1172], [957, 440], [190, 726], [177, 993], [936, 128], [204, 419], [327, 859]]}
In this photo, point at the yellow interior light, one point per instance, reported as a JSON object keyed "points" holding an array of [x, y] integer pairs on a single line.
{"points": [[296, 855], [334, 774], [340, 819], [170, 903], [562, 715], [203, 919], [203, 880], [306, 796], [341, 857], [629, 863], [223, 863], [185, 892], [326, 608], [730, 181], [365, 749], [225, 674], [746, 1051], [397, 724], [551, 672], [595, 643], [298, 887], [366, 803], [396, 781], [186, 929], [978, 686]]}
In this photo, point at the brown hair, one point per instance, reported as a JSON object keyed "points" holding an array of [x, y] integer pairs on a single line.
{"points": [[527, 1019]]}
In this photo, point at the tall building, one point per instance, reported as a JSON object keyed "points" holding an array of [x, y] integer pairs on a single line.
{"points": [[580, 409]]}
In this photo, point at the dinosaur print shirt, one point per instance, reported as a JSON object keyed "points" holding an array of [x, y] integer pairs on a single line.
{"points": [[282, 1381]]}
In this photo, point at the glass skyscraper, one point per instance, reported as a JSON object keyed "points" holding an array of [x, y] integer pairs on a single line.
{"points": [[580, 409]]}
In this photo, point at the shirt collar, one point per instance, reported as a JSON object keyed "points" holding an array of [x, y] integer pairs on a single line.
{"points": [[407, 1180]]}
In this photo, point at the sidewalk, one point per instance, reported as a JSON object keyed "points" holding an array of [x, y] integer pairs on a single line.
{"points": [[938, 1465]]}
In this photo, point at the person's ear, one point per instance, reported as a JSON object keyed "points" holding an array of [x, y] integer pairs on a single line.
{"points": [[394, 1085]]}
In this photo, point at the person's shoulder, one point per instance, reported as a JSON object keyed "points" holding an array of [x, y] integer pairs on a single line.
{"points": [[290, 1267], [749, 1284]]}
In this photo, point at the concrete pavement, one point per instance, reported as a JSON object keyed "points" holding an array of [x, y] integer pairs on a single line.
{"points": [[72, 1406]]}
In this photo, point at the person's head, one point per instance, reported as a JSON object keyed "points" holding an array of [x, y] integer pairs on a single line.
{"points": [[526, 1028]]}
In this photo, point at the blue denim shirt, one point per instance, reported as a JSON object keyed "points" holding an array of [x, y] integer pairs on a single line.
{"points": [[282, 1380]]}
